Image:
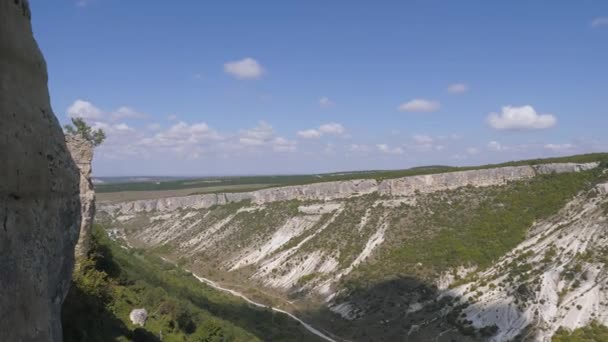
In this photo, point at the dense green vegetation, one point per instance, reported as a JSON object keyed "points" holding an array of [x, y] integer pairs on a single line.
{"points": [[282, 180], [471, 226], [113, 281], [593, 332]]}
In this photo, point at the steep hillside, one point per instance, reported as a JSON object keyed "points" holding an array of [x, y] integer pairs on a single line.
{"points": [[114, 281], [416, 258]]}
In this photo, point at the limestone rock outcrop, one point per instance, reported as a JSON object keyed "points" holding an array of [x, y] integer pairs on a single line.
{"points": [[138, 316], [82, 153], [564, 167], [405, 186], [39, 204]]}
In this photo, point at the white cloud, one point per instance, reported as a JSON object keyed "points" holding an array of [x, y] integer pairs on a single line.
{"points": [[122, 127], [420, 106], [182, 139], [495, 146], [599, 22], [263, 136], [257, 136], [88, 111], [182, 134], [127, 113], [359, 148], [331, 128], [458, 88], [325, 102], [153, 127], [281, 144], [423, 142], [244, 69], [84, 109], [472, 150], [309, 134], [559, 147], [386, 149], [520, 118], [171, 117], [422, 139]]}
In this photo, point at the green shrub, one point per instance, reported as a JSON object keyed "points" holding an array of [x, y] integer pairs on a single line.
{"points": [[594, 332]]}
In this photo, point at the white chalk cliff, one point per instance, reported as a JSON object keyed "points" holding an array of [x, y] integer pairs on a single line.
{"points": [[326, 191]]}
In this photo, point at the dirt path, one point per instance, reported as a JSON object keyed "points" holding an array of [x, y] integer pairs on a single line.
{"points": [[238, 294], [242, 296]]}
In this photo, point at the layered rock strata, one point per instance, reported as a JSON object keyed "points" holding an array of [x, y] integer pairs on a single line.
{"points": [[404, 186]]}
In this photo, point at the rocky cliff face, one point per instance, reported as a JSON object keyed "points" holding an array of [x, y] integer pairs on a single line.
{"points": [[405, 186], [39, 205], [82, 153]]}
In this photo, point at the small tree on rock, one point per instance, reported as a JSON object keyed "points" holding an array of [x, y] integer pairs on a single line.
{"points": [[80, 127]]}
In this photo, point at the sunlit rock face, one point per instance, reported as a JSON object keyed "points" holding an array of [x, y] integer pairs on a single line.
{"points": [[39, 204], [325, 191], [82, 153]]}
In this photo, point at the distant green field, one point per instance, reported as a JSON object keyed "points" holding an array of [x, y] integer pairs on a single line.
{"points": [[224, 183]]}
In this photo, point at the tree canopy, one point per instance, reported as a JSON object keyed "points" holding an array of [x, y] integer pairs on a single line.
{"points": [[80, 127]]}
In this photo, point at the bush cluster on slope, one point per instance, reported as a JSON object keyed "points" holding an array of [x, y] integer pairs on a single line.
{"points": [[593, 332], [113, 281], [474, 230]]}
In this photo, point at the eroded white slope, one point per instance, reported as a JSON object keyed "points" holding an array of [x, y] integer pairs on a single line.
{"points": [[293, 228], [557, 277]]}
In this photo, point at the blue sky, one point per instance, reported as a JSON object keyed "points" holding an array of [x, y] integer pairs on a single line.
{"points": [[244, 87]]}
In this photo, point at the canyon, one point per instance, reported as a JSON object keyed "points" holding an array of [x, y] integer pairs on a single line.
{"points": [[334, 251]]}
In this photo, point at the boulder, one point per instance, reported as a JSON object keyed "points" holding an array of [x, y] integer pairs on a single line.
{"points": [[138, 316]]}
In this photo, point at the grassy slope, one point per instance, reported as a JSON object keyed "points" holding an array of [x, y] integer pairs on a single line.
{"points": [[272, 181], [594, 332], [470, 227], [467, 226], [114, 281]]}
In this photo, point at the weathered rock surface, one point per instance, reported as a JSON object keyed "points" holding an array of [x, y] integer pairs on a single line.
{"points": [[452, 180], [564, 167], [404, 186], [39, 205], [564, 282], [138, 316], [82, 153]]}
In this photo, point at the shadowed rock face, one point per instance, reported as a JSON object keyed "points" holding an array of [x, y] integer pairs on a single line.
{"points": [[82, 153], [39, 204]]}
